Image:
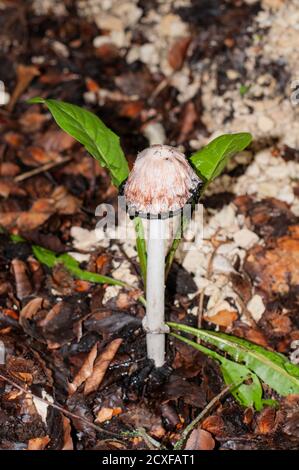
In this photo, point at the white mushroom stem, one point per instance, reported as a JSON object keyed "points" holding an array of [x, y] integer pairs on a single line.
{"points": [[155, 291]]}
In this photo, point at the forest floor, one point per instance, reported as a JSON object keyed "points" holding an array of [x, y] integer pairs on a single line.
{"points": [[176, 72]]}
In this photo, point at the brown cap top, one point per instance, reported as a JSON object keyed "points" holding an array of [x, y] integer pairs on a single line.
{"points": [[161, 181]]}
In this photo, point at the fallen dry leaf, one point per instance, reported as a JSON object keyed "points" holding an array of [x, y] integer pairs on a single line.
{"points": [[275, 268], [177, 53], [31, 309], [9, 169], [25, 74], [85, 371], [266, 421], [38, 443], [56, 141], [214, 424], [60, 201], [36, 156], [32, 121], [138, 415], [9, 188], [188, 118], [23, 285], [105, 414], [13, 139], [101, 366], [223, 318], [67, 438], [200, 439], [28, 221]]}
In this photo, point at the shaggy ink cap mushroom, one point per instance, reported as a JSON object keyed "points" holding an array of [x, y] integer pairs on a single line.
{"points": [[160, 183]]}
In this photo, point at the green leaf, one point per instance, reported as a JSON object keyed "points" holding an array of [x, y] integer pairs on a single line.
{"points": [[244, 89], [210, 161], [246, 394], [272, 368], [50, 259], [17, 238], [91, 132]]}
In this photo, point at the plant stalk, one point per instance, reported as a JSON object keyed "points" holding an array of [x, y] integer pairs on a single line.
{"points": [[155, 291]]}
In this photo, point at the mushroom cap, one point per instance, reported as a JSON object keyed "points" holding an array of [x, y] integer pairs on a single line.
{"points": [[160, 182]]}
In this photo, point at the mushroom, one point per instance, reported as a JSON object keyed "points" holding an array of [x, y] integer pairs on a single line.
{"points": [[158, 187]]}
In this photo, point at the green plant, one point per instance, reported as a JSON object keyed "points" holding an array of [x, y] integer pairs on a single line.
{"points": [[247, 360], [104, 146], [50, 259], [91, 132]]}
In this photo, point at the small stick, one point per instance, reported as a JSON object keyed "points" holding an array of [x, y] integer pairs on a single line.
{"points": [[151, 443], [202, 415], [41, 169]]}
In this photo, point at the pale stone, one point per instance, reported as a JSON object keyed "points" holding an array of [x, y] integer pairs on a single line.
{"points": [[256, 307], [60, 49], [129, 13], [120, 38], [201, 282], [232, 74], [86, 240], [265, 124], [273, 4], [133, 54], [109, 22], [278, 172], [110, 293], [90, 97], [263, 158], [253, 170], [172, 25], [195, 262], [222, 265], [129, 248], [123, 273], [222, 305], [155, 133], [267, 189], [80, 257], [245, 238], [100, 41], [226, 217], [295, 208], [286, 194], [215, 296], [148, 54]]}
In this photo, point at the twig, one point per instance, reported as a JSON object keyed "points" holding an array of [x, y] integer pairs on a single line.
{"points": [[200, 308], [151, 443], [245, 310], [202, 415], [59, 408], [41, 169]]}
